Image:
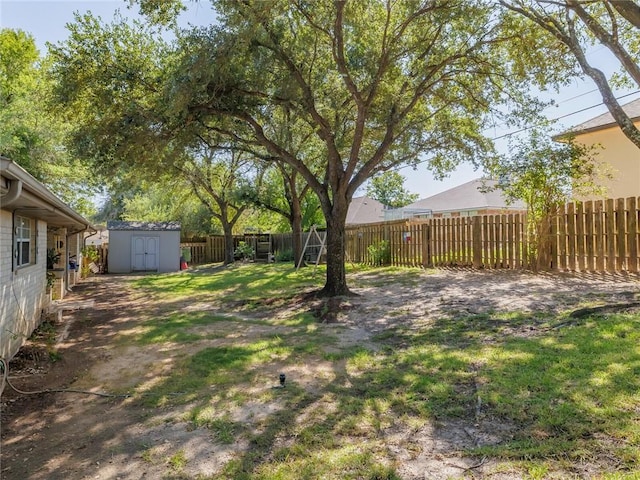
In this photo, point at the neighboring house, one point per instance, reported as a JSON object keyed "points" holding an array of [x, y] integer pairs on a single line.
{"points": [[33, 222], [144, 246], [477, 197], [618, 152], [364, 210]]}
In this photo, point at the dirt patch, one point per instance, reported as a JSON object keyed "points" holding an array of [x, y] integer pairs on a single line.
{"points": [[72, 436]]}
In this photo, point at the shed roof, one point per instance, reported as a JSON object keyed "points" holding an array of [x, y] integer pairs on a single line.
{"points": [[603, 121], [472, 195], [143, 226]]}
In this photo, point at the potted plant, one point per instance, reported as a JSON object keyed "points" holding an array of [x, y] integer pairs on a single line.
{"points": [[51, 279], [52, 257]]}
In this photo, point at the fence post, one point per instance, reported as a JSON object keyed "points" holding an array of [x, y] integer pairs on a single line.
{"points": [[610, 225], [588, 229], [599, 233], [621, 220], [476, 242], [426, 239], [632, 234], [553, 231]]}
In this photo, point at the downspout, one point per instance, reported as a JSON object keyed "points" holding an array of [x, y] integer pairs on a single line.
{"points": [[84, 240], [14, 192]]}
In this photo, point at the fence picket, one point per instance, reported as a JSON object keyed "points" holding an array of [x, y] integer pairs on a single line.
{"points": [[621, 240], [589, 231], [599, 235], [580, 234], [610, 225], [632, 234]]}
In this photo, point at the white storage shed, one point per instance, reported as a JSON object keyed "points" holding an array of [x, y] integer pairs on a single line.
{"points": [[144, 246]]}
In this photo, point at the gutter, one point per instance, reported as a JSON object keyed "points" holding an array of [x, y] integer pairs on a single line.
{"points": [[24, 184], [15, 190]]}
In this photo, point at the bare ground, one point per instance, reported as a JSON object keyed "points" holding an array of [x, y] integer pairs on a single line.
{"points": [[75, 436]]}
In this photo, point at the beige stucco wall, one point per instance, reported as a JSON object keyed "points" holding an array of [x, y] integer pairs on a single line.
{"points": [[623, 158]]}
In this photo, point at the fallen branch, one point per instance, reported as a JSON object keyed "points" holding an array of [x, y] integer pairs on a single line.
{"points": [[585, 312]]}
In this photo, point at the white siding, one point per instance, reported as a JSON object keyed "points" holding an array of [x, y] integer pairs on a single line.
{"points": [[22, 292]]}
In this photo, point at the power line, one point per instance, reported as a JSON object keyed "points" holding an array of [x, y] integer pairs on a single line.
{"points": [[564, 116], [530, 127], [572, 98]]}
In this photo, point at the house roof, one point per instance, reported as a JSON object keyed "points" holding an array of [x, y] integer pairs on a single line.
{"points": [[364, 210], [603, 121], [472, 195], [147, 226], [20, 192]]}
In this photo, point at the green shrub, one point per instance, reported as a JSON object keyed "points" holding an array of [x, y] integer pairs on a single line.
{"points": [[244, 251], [380, 253], [284, 255], [90, 252]]}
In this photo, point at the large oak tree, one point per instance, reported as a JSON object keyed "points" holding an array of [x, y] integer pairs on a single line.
{"points": [[376, 84]]}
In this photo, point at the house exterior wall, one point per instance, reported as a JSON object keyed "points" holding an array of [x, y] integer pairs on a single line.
{"points": [[622, 156], [479, 211], [120, 250], [22, 291]]}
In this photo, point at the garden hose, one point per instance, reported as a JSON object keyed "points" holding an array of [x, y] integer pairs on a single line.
{"points": [[6, 380]]}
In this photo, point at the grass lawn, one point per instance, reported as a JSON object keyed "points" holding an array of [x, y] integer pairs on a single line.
{"points": [[556, 396]]}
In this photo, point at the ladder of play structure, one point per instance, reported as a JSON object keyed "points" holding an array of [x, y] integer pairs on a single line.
{"points": [[321, 249]]}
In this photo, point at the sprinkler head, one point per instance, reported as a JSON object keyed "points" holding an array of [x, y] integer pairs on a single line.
{"points": [[283, 378]]}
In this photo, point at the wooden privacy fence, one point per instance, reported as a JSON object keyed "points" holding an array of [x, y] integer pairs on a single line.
{"points": [[209, 251], [212, 249], [595, 236], [489, 241]]}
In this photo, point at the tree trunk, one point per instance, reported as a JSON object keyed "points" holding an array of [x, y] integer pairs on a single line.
{"points": [[296, 229], [336, 282], [228, 242]]}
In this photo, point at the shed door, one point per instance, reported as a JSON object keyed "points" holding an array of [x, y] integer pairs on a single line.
{"points": [[144, 253]]}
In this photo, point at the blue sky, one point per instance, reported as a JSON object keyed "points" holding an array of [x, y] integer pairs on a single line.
{"points": [[46, 20]]}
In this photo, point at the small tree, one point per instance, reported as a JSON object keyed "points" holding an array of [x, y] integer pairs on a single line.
{"points": [[545, 175], [388, 189]]}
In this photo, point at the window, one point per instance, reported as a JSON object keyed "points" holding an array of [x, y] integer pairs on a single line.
{"points": [[24, 241]]}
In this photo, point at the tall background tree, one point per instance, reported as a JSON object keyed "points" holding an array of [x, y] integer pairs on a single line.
{"points": [[388, 189], [110, 82], [31, 133], [282, 191]]}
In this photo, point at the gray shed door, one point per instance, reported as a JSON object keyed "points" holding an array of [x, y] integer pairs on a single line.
{"points": [[144, 253]]}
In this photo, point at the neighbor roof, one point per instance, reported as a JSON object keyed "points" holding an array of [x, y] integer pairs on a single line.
{"points": [[468, 196], [152, 226], [364, 210], [603, 121]]}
